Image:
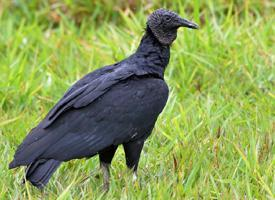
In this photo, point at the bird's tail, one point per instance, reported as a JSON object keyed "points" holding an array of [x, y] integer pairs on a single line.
{"points": [[40, 172]]}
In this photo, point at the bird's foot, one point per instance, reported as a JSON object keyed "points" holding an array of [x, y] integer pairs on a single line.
{"points": [[135, 176], [105, 187], [135, 180]]}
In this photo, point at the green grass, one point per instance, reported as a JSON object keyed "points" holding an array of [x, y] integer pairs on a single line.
{"points": [[216, 136]]}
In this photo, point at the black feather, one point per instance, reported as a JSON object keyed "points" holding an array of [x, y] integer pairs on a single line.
{"points": [[117, 104]]}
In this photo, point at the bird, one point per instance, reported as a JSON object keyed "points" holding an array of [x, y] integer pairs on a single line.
{"points": [[114, 105]]}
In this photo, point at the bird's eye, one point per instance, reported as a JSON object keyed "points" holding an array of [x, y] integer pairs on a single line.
{"points": [[167, 18]]}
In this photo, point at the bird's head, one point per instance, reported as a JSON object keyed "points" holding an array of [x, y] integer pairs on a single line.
{"points": [[164, 25]]}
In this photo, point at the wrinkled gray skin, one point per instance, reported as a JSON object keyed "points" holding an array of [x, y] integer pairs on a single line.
{"points": [[164, 24]]}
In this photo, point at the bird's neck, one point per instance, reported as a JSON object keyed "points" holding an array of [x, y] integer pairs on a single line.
{"points": [[153, 55]]}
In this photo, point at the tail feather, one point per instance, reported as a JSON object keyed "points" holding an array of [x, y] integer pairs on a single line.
{"points": [[40, 172]]}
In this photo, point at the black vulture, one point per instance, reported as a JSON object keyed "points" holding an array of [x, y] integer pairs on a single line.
{"points": [[113, 105]]}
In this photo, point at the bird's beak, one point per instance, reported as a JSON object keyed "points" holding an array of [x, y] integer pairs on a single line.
{"points": [[188, 24]]}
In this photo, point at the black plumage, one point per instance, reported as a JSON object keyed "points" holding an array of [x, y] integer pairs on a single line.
{"points": [[117, 104]]}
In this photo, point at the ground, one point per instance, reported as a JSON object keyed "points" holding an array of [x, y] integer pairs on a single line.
{"points": [[215, 138]]}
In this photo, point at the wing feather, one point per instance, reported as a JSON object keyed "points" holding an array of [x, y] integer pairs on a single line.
{"points": [[86, 94], [128, 110]]}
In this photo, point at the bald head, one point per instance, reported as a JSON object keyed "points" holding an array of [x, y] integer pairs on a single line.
{"points": [[164, 24]]}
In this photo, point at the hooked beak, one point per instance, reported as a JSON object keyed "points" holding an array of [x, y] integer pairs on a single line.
{"points": [[188, 24]]}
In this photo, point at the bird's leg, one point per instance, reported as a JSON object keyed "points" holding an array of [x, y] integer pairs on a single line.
{"points": [[106, 175], [105, 157], [132, 154], [135, 176]]}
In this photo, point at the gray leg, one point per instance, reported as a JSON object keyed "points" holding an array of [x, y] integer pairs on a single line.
{"points": [[106, 175], [135, 176], [105, 157]]}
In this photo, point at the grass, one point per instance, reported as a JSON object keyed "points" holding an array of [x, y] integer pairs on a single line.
{"points": [[215, 138]]}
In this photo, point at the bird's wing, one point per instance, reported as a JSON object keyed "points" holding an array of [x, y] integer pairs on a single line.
{"points": [[126, 112], [89, 77], [86, 91]]}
